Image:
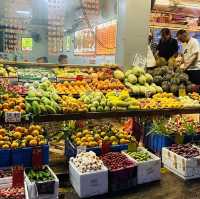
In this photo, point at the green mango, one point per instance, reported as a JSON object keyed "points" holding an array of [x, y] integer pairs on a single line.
{"points": [[46, 101], [36, 108], [50, 109], [28, 107], [42, 108]]}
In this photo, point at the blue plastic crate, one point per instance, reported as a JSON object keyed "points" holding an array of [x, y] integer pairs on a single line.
{"points": [[24, 156], [70, 149], [156, 142], [17, 157], [5, 157]]}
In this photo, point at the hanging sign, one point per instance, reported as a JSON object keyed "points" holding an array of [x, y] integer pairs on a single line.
{"points": [[27, 44]]}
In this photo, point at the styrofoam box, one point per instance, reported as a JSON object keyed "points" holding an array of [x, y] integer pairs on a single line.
{"points": [[88, 184], [6, 180], [32, 188], [147, 171], [183, 167]]}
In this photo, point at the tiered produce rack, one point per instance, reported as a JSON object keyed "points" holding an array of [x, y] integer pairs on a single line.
{"points": [[141, 115]]}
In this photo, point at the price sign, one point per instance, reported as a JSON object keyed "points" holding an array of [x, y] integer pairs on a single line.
{"points": [[79, 77], [27, 44], [18, 176], [13, 117], [37, 158], [81, 149], [106, 147], [132, 147]]}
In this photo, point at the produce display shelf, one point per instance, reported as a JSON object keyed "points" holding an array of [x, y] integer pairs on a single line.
{"points": [[53, 65], [118, 114], [111, 114]]}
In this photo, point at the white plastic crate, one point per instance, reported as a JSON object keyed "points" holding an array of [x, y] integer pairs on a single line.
{"points": [[183, 167], [147, 171], [32, 188], [88, 184]]}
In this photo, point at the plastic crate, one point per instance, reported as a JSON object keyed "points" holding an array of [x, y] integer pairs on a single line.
{"points": [[5, 157], [123, 179], [155, 142], [71, 150], [24, 156]]}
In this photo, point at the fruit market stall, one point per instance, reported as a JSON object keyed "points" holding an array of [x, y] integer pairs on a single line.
{"points": [[100, 99]]}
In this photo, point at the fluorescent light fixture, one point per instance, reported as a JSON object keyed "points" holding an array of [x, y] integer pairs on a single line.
{"points": [[190, 5], [23, 12], [163, 2]]}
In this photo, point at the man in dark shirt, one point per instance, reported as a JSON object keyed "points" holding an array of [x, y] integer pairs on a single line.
{"points": [[167, 47]]}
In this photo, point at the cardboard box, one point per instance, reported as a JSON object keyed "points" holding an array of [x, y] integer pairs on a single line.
{"points": [[185, 168], [148, 171], [33, 190], [88, 184]]}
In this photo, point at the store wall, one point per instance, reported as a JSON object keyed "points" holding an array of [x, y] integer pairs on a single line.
{"points": [[72, 25], [132, 30]]}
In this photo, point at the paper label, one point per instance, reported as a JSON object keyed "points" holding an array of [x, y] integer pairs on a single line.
{"points": [[81, 149], [132, 147], [13, 117]]}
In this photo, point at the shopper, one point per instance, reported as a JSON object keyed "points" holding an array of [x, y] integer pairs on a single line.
{"points": [[63, 59], [168, 46], [191, 50], [152, 44], [42, 60]]}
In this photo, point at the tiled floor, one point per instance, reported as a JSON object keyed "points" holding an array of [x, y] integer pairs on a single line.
{"points": [[170, 187]]}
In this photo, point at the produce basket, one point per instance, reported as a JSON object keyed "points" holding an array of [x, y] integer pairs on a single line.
{"points": [[185, 168], [149, 170], [155, 142], [24, 156], [5, 157], [71, 149], [43, 189], [122, 179], [88, 184]]}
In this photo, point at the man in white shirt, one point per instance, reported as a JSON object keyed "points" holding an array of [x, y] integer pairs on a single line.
{"points": [[191, 50]]}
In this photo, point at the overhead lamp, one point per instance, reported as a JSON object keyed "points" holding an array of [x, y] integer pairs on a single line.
{"points": [[23, 12]]}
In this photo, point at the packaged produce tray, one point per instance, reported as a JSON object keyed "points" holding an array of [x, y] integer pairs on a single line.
{"points": [[22, 156], [88, 184], [43, 190], [122, 179], [147, 171], [71, 149], [183, 167]]}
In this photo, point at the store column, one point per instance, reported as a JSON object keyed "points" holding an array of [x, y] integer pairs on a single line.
{"points": [[132, 38]]}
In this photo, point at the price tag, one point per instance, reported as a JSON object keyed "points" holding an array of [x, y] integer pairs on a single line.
{"points": [[18, 176], [106, 147], [13, 117], [81, 149], [79, 77], [37, 158], [132, 147]]}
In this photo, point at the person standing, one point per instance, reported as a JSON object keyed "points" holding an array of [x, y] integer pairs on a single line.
{"points": [[168, 46], [191, 50], [63, 59]]}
